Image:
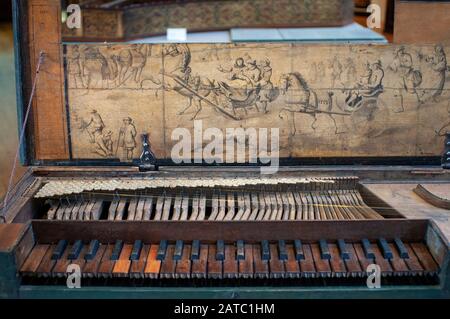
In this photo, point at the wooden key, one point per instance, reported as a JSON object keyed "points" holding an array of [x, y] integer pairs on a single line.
{"points": [[298, 249], [412, 262], [336, 262], [324, 251], [47, 263], [112, 209], [367, 247], [384, 263], [195, 208], [352, 263], [184, 208], [200, 265], [178, 250], [385, 249], [117, 250], [59, 249], [159, 208], [282, 254], [121, 209], [148, 208], [75, 250], [106, 263], [97, 209], [343, 251], [152, 265], [202, 208], [261, 267], [403, 252], [183, 266], [136, 251], [140, 209], [276, 265], [240, 250], [322, 265], [167, 208], [247, 207], [398, 264], [34, 259], [138, 265], [364, 261], [214, 265], [230, 263], [246, 265], [132, 208], [122, 265], [291, 264], [91, 266], [168, 264], [230, 207], [220, 250], [162, 250], [307, 268], [214, 207], [60, 268], [425, 258], [80, 260], [92, 250]]}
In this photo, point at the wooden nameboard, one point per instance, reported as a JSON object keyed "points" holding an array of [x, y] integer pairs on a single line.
{"points": [[326, 100]]}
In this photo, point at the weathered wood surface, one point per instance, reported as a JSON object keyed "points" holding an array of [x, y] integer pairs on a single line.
{"points": [[422, 22], [402, 198], [329, 101], [123, 22]]}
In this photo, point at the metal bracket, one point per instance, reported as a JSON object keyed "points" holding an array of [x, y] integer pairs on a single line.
{"points": [[147, 158]]}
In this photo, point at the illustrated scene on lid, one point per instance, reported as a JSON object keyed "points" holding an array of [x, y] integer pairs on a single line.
{"points": [[327, 101]]}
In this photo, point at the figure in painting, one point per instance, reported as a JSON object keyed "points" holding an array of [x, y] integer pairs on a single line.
{"points": [[95, 129], [438, 64], [266, 94], [336, 71], [127, 138], [74, 68]]}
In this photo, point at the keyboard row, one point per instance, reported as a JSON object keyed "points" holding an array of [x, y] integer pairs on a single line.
{"points": [[219, 260], [327, 205]]}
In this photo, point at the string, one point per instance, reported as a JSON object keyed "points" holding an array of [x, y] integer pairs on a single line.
{"points": [[22, 129]]}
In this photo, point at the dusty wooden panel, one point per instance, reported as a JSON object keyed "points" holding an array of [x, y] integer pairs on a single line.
{"points": [[422, 22], [49, 116], [330, 101]]}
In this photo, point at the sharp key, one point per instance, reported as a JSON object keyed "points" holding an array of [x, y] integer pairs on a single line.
{"points": [[148, 208], [367, 249], [121, 209], [195, 208], [195, 250], [261, 267], [132, 208], [246, 265], [343, 249], [384, 263], [240, 254], [307, 268], [324, 251], [265, 250], [386, 250], [230, 206], [199, 265], [178, 250], [230, 264], [117, 249], [162, 250], [122, 266], [276, 265], [282, 250], [202, 208], [183, 267], [240, 207], [168, 265], [403, 252], [112, 209], [138, 265], [398, 264], [60, 268], [247, 207], [214, 207], [167, 208], [136, 252], [153, 264], [322, 265], [184, 208], [92, 251], [214, 265], [159, 207], [97, 209], [59, 249], [76, 249], [298, 250], [140, 209], [220, 250]]}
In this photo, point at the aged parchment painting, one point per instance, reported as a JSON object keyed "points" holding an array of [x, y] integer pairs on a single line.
{"points": [[327, 101]]}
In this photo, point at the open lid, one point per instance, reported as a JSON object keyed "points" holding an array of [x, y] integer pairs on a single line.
{"points": [[311, 103]]}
